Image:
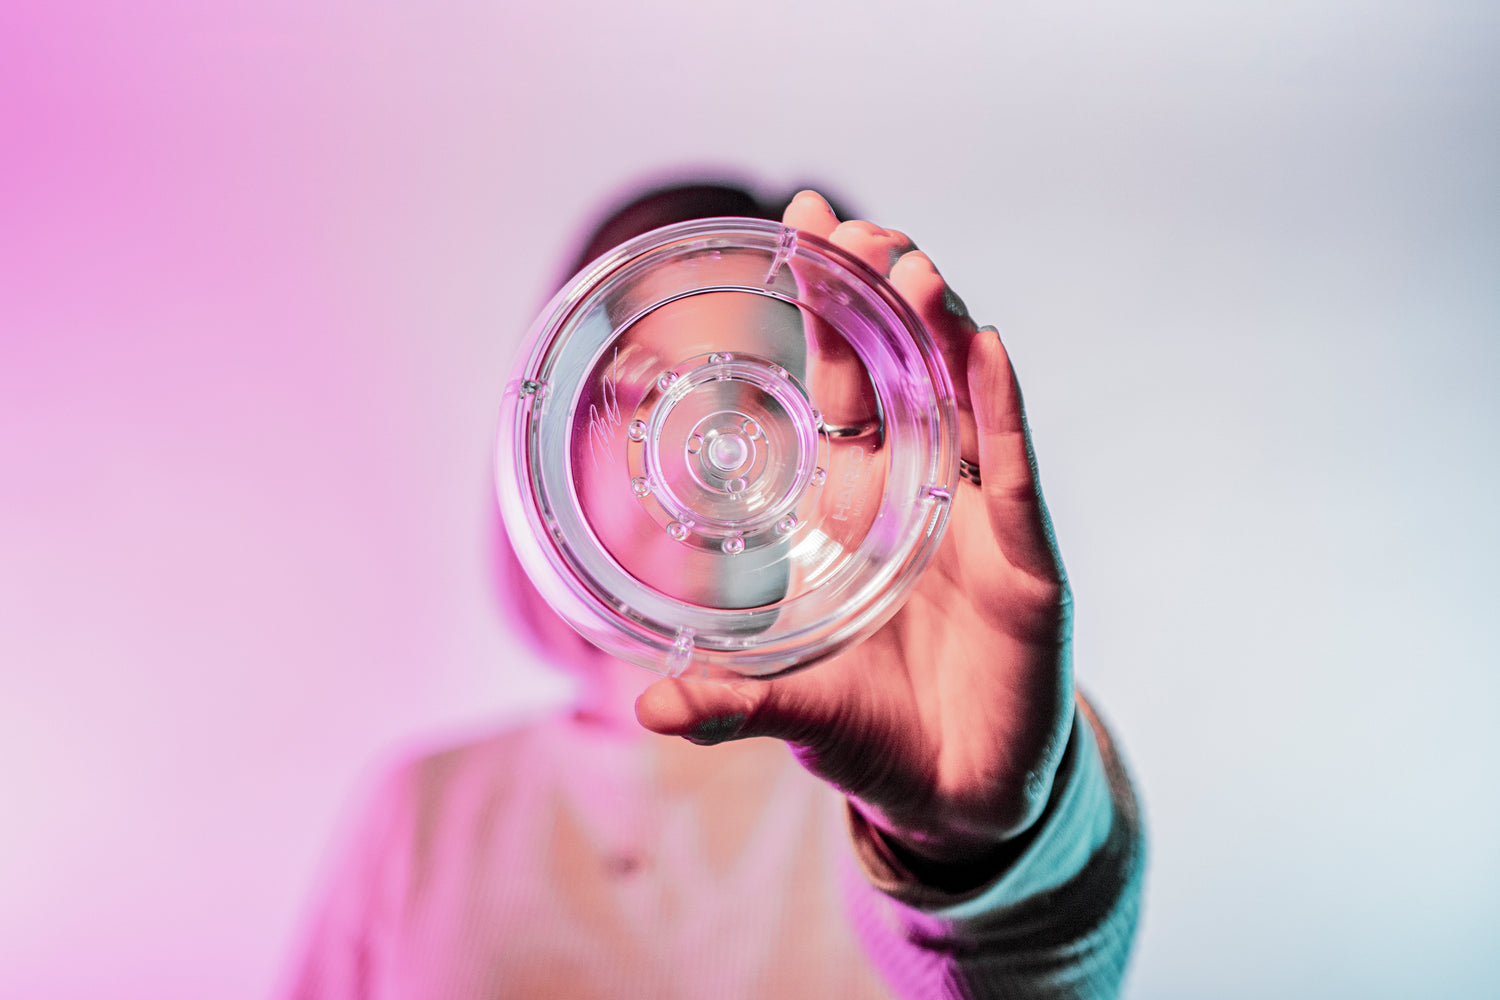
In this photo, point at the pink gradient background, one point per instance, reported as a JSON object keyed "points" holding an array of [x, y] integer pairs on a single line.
{"points": [[262, 268]]}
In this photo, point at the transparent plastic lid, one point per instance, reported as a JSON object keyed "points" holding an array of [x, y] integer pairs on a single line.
{"points": [[728, 446]]}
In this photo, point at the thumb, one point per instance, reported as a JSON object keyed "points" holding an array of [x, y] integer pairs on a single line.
{"points": [[704, 712]]}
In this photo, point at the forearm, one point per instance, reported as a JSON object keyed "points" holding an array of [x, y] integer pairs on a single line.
{"points": [[1056, 920]]}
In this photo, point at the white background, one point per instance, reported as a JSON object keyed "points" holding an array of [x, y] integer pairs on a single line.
{"points": [[263, 265]]}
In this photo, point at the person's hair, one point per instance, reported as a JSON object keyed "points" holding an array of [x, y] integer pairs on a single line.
{"points": [[672, 203]]}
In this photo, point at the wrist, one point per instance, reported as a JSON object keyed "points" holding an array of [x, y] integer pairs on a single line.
{"points": [[950, 864]]}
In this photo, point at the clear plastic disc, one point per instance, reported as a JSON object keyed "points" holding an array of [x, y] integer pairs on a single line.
{"points": [[729, 446]]}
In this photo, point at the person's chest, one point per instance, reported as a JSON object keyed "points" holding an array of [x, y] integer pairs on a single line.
{"points": [[644, 870]]}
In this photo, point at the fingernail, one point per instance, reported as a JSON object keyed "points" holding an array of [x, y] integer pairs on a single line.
{"points": [[716, 729], [806, 193]]}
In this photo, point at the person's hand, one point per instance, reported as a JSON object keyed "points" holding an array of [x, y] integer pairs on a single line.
{"points": [[947, 725]]}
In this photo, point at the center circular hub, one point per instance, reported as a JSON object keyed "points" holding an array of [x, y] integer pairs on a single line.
{"points": [[728, 451]]}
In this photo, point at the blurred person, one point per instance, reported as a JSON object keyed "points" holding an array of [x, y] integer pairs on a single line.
{"points": [[937, 813]]}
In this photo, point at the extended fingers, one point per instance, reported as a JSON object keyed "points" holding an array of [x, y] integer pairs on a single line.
{"points": [[1011, 488], [810, 212], [891, 253], [837, 374], [947, 320], [879, 249]]}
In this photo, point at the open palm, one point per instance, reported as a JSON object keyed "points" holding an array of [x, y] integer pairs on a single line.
{"points": [[947, 725]]}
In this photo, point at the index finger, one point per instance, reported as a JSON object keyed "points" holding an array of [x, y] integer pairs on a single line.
{"points": [[811, 213]]}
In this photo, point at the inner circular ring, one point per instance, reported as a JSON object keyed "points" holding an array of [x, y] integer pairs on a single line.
{"points": [[728, 451], [721, 457], [745, 454]]}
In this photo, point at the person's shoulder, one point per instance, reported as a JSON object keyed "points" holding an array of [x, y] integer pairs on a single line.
{"points": [[450, 755], [464, 771], [485, 756]]}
